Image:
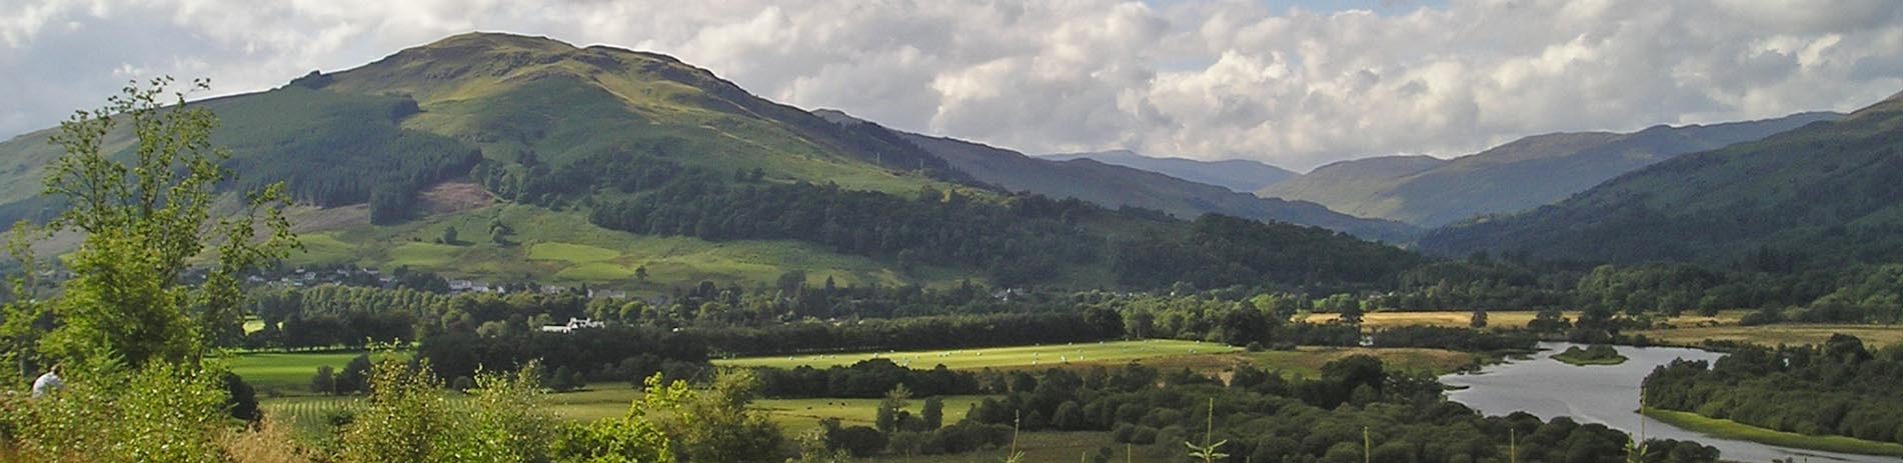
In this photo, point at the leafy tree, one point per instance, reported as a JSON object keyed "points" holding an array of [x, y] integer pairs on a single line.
{"points": [[144, 216], [449, 235], [933, 413], [1478, 320]]}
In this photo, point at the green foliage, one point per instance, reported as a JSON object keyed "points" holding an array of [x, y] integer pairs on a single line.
{"points": [[1597, 354], [161, 412], [145, 217], [409, 419], [1837, 388]]}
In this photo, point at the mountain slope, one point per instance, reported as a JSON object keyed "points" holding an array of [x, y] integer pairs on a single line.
{"points": [[1114, 186], [504, 158], [1827, 192], [1350, 185], [1235, 174], [1525, 173]]}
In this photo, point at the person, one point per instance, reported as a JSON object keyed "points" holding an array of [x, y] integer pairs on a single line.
{"points": [[48, 382]]}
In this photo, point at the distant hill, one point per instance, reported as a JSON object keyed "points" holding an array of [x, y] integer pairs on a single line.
{"points": [[1235, 174], [501, 158], [1113, 186], [1823, 194], [1516, 176]]}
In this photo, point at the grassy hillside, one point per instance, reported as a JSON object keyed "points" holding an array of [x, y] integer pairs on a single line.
{"points": [[599, 165], [1824, 194], [1239, 175], [1520, 175]]}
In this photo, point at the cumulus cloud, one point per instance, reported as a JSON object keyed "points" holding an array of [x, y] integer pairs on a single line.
{"points": [[1209, 79]]}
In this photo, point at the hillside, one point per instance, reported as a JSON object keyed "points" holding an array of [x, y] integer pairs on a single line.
{"points": [[1823, 194], [1519, 175], [1113, 185], [1239, 175], [501, 158]]}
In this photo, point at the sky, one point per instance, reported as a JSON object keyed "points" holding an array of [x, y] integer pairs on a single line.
{"points": [[1295, 83]]}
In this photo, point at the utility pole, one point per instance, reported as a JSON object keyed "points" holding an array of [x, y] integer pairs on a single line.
{"points": [[1513, 445], [1367, 446]]}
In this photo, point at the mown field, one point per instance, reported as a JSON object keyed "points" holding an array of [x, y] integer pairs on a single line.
{"points": [[1102, 353], [286, 373], [1772, 335], [1506, 319]]}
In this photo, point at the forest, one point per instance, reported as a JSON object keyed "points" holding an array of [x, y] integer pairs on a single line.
{"points": [[1838, 388]]}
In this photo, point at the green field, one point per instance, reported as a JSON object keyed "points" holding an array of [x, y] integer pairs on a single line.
{"points": [[1002, 357], [563, 248], [1728, 429], [286, 373]]}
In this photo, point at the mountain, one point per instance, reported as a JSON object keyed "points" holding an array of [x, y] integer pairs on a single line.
{"points": [[500, 158], [1519, 175], [1235, 174], [1823, 194], [1357, 178], [1114, 185]]}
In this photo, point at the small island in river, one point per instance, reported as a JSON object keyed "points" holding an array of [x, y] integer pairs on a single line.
{"points": [[1594, 355]]}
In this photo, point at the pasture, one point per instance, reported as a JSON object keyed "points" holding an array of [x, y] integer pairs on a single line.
{"points": [[1042, 356], [1772, 335], [1506, 318], [286, 373]]}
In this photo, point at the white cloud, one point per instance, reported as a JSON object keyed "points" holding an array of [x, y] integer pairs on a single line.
{"points": [[1199, 78]]}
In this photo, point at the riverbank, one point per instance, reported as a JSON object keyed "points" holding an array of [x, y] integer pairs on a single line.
{"points": [[1727, 429]]}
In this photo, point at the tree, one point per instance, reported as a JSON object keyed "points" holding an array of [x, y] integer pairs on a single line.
{"points": [[1479, 319], [449, 235], [933, 413], [887, 418], [641, 273], [356, 375], [144, 217], [325, 382]]}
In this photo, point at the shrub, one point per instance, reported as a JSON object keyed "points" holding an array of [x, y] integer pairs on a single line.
{"points": [[158, 413]]}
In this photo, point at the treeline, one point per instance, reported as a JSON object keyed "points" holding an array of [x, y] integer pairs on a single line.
{"points": [[600, 354], [915, 333], [1355, 404], [1838, 388], [865, 379]]}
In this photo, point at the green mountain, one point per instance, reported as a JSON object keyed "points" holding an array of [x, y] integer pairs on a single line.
{"points": [[1524, 174], [1239, 175], [1822, 194], [502, 158], [1115, 186]]}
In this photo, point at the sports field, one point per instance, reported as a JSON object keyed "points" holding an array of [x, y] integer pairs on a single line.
{"points": [[1115, 352]]}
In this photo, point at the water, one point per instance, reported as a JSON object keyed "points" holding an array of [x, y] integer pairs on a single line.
{"points": [[1608, 395]]}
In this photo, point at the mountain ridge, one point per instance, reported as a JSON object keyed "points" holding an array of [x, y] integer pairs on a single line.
{"points": [[1519, 175], [1239, 175]]}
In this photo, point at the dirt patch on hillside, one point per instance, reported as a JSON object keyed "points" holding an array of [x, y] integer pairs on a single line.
{"points": [[306, 219], [453, 197]]}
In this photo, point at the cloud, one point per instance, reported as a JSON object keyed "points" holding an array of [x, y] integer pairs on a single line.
{"points": [[1199, 78]]}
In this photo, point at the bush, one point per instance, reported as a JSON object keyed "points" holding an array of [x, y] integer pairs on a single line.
{"points": [[158, 413], [409, 420]]}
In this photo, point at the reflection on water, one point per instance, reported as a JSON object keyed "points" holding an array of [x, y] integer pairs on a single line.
{"points": [[1605, 394]]}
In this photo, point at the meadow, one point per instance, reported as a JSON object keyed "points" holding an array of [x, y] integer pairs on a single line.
{"points": [[1507, 318], [1101, 353], [1773, 335], [286, 373], [1727, 429]]}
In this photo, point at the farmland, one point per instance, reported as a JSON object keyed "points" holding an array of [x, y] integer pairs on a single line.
{"points": [[1103, 353]]}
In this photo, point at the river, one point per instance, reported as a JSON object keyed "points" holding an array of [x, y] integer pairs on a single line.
{"points": [[1608, 395]]}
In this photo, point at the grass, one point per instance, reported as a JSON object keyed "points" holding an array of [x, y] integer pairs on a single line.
{"points": [[1576, 357], [1001, 357], [1772, 335], [286, 373], [1727, 429], [561, 247], [574, 253]]}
